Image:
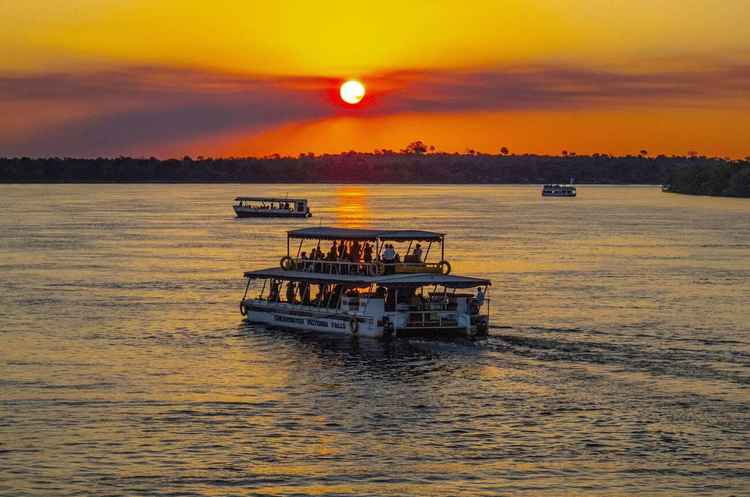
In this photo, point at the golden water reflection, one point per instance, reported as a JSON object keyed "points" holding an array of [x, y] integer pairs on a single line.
{"points": [[351, 208]]}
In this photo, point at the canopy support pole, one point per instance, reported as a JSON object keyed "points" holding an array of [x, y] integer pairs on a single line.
{"points": [[427, 252], [247, 287]]}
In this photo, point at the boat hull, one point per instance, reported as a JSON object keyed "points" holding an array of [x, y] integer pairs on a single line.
{"points": [[296, 318], [558, 194], [270, 213]]}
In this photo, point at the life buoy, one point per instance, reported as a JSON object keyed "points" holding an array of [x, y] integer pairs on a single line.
{"points": [[308, 214], [445, 267], [354, 326], [243, 311], [287, 263]]}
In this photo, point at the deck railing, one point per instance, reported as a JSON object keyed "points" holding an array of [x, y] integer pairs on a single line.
{"points": [[364, 268]]}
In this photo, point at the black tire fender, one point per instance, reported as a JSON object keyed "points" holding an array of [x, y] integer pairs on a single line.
{"points": [[354, 326], [445, 267], [243, 311], [286, 263]]}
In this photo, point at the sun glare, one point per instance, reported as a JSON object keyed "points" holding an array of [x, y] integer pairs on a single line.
{"points": [[352, 92]]}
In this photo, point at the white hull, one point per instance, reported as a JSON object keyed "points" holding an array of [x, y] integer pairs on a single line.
{"points": [[558, 194], [304, 318], [250, 212], [297, 317]]}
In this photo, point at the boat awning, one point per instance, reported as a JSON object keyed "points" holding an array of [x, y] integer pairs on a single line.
{"points": [[389, 280], [278, 273], [425, 279], [268, 199], [330, 233]]}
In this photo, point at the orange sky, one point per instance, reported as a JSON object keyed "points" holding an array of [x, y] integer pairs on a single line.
{"points": [[106, 77]]}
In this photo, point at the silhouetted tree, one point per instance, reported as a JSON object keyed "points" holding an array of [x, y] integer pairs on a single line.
{"points": [[418, 147]]}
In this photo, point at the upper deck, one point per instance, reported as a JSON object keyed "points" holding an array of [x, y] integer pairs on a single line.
{"points": [[365, 251], [269, 199]]}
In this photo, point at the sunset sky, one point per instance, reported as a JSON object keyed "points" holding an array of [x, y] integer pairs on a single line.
{"points": [[169, 78]]}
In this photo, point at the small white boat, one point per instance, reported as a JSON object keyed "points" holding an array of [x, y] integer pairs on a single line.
{"points": [[367, 296], [555, 190], [271, 207]]}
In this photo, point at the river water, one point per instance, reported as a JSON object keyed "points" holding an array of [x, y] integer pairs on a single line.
{"points": [[618, 362]]}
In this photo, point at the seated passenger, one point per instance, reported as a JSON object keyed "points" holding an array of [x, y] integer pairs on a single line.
{"points": [[368, 253]]}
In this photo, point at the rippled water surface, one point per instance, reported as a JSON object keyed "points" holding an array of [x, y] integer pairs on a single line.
{"points": [[618, 362]]}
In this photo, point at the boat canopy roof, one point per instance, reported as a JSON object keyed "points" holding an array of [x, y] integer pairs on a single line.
{"points": [[269, 199], [330, 233], [389, 280]]}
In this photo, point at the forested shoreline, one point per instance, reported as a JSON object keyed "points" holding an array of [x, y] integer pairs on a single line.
{"points": [[696, 174], [721, 179]]}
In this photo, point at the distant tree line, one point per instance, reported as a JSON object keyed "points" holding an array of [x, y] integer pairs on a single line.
{"points": [[414, 165], [721, 179]]}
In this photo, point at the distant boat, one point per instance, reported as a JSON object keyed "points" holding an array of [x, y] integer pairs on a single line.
{"points": [[554, 190], [271, 207]]}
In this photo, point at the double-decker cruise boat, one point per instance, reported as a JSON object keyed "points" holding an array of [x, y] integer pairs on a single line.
{"points": [[559, 191], [362, 286], [271, 207]]}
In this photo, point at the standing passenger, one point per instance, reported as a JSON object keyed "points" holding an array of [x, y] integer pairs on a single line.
{"points": [[290, 292], [418, 253]]}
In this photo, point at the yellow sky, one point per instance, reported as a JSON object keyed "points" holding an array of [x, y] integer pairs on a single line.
{"points": [[341, 39]]}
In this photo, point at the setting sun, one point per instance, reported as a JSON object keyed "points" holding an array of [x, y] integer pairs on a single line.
{"points": [[352, 92]]}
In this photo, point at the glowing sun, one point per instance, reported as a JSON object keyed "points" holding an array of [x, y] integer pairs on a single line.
{"points": [[352, 92]]}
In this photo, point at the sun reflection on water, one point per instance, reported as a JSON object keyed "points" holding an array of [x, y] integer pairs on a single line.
{"points": [[351, 209]]}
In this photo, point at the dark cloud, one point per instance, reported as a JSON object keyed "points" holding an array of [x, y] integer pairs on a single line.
{"points": [[167, 106], [555, 87], [163, 106]]}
